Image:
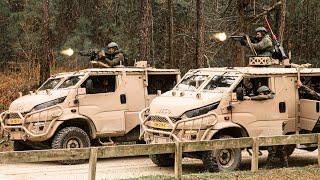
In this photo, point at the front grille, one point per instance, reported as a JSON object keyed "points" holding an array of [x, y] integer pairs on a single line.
{"points": [[162, 119], [158, 119], [13, 115]]}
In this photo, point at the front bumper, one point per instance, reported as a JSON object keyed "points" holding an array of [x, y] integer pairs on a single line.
{"points": [[18, 126], [158, 128]]}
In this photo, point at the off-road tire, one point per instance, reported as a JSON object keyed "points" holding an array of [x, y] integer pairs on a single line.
{"points": [[289, 149], [20, 146], [162, 160], [209, 161], [228, 159], [66, 136]]}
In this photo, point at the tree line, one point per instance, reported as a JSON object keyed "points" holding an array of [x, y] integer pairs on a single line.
{"points": [[166, 33]]}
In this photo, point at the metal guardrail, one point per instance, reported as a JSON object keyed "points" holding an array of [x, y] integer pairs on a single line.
{"points": [[177, 148]]}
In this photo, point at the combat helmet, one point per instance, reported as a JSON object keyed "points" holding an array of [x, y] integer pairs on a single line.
{"points": [[263, 89], [261, 29], [113, 45]]}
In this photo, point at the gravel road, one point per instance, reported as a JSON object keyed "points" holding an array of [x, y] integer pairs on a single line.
{"points": [[120, 168]]}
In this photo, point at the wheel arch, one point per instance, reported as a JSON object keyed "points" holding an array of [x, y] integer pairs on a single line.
{"points": [[232, 129], [81, 122]]}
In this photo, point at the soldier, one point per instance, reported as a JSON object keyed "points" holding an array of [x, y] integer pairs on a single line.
{"points": [[264, 93], [113, 57], [248, 87], [310, 92], [263, 46]]}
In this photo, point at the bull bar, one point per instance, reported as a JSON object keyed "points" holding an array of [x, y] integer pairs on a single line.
{"points": [[144, 117], [22, 127]]}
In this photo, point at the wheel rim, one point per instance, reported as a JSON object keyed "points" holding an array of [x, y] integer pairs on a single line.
{"points": [[226, 157], [73, 143]]}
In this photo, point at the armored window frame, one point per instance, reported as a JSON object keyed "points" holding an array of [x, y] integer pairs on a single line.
{"points": [[98, 86], [162, 82]]}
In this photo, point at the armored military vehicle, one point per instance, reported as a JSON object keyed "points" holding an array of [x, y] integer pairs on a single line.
{"points": [[218, 103], [90, 106]]}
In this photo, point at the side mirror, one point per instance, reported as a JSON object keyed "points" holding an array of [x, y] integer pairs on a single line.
{"points": [[89, 85], [239, 93]]}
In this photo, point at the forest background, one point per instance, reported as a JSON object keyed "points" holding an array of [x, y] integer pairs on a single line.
{"points": [[166, 33]]}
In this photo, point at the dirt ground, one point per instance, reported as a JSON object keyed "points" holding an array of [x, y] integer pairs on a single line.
{"points": [[123, 168]]}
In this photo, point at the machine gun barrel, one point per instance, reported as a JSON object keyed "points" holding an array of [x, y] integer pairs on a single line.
{"points": [[92, 54], [237, 38]]}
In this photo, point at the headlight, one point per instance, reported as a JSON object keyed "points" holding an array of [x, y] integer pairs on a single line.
{"points": [[49, 104], [201, 110]]}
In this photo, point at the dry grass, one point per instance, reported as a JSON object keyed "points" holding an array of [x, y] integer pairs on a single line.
{"points": [[308, 172], [11, 85]]}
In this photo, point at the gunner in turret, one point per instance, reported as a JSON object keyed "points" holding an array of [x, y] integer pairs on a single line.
{"points": [[113, 56], [263, 46]]}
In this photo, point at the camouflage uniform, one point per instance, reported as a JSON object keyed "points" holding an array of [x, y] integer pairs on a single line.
{"points": [[270, 94], [115, 58], [264, 47], [313, 94]]}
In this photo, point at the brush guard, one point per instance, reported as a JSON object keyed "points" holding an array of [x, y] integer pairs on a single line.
{"points": [[176, 129], [42, 121]]}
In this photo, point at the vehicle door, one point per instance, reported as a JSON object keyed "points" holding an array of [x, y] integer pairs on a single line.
{"points": [[309, 104], [104, 102], [264, 117]]}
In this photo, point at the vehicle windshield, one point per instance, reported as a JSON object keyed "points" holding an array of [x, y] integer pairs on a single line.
{"points": [[220, 81], [70, 82], [50, 83], [191, 82]]}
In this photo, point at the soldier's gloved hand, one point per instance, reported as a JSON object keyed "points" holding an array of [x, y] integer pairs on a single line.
{"points": [[298, 84], [243, 42], [101, 54], [247, 98], [253, 39]]}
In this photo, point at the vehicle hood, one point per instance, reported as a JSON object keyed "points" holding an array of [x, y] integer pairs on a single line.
{"points": [[27, 102], [175, 106]]}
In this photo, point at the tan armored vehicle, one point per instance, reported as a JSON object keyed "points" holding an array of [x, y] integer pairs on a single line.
{"points": [[77, 109], [215, 103]]}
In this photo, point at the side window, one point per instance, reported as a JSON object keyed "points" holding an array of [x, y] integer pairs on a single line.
{"points": [[100, 84], [161, 82], [251, 85], [313, 83]]}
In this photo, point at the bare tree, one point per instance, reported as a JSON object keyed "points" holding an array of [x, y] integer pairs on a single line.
{"points": [[282, 20], [200, 34], [170, 46], [242, 26], [145, 29], [45, 61]]}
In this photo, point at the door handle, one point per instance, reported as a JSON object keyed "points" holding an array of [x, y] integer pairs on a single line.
{"points": [[282, 107], [123, 99], [317, 107]]}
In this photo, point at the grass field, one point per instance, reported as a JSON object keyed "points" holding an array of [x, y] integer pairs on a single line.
{"points": [[311, 172]]}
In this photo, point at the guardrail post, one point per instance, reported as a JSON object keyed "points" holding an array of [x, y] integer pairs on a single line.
{"points": [[318, 149], [178, 160], [93, 163], [255, 155]]}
